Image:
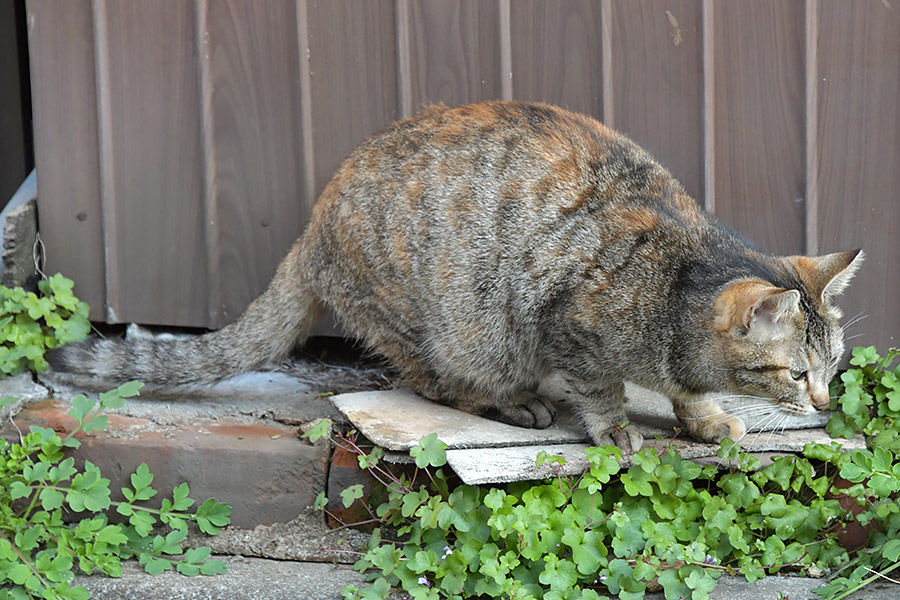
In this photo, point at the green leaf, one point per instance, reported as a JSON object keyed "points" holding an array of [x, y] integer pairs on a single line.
{"points": [[81, 407], [553, 459], [701, 582], [430, 451], [212, 516], [98, 423], [320, 430], [181, 501], [370, 460], [19, 573], [637, 482], [864, 356], [673, 586], [51, 499], [18, 490], [155, 566], [214, 567], [89, 490], [142, 522], [351, 495]]}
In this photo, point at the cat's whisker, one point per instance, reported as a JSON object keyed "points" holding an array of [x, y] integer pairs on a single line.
{"points": [[741, 412], [742, 396], [741, 408], [859, 317], [779, 423], [854, 336], [761, 425]]}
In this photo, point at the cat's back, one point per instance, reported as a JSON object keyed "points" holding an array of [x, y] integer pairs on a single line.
{"points": [[479, 218], [499, 168]]}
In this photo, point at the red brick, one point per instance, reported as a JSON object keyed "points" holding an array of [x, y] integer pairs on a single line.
{"points": [[264, 471]]}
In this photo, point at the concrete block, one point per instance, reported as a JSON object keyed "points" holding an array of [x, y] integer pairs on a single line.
{"points": [[24, 390], [19, 235]]}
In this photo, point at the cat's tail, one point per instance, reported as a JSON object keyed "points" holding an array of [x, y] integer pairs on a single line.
{"points": [[266, 332]]}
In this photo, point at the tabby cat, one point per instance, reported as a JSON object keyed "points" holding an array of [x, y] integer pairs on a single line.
{"points": [[482, 248]]}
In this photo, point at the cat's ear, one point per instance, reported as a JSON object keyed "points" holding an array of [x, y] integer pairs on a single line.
{"points": [[755, 307], [829, 275]]}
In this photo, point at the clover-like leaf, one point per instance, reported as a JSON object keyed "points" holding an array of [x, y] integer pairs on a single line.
{"points": [[429, 452], [351, 494], [318, 431]]}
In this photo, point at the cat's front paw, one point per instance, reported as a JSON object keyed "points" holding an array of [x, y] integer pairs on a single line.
{"points": [[627, 437], [732, 428]]}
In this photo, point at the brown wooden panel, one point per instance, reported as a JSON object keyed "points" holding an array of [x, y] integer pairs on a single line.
{"points": [[556, 53], [153, 191], [255, 153], [454, 52], [759, 124], [61, 47], [657, 82], [353, 77], [12, 127], [859, 156]]}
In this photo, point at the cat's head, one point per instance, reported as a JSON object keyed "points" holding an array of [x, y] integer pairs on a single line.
{"points": [[785, 343]]}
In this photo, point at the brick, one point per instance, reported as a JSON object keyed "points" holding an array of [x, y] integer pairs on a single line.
{"points": [[264, 471]]}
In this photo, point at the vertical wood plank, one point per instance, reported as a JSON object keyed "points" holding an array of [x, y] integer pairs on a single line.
{"points": [[454, 51], [256, 182], [556, 53], [64, 101], [759, 121], [353, 76], [858, 84], [657, 82], [12, 126], [154, 178]]}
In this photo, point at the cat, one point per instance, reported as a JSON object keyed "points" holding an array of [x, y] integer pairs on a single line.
{"points": [[482, 248]]}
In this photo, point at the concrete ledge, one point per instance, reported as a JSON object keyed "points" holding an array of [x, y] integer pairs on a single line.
{"points": [[263, 579], [256, 578]]}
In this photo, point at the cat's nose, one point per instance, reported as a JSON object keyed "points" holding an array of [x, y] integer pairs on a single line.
{"points": [[820, 402]]}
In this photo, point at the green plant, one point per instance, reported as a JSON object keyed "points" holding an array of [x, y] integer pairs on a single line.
{"points": [[866, 400], [31, 324], [661, 521], [39, 552], [613, 531]]}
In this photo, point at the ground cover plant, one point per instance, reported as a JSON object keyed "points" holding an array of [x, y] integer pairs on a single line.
{"points": [[31, 324], [39, 552], [660, 522]]}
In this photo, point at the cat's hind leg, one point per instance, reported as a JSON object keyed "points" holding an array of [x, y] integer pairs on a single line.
{"points": [[519, 407]]}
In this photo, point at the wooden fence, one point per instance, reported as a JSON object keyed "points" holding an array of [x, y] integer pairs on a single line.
{"points": [[181, 145]]}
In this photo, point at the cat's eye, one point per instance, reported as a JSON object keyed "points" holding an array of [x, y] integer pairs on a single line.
{"points": [[797, 374]]}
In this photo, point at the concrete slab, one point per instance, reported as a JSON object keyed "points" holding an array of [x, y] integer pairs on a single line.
{"points": [[285, 580], [397, 419], [246, 578], [477, 466], [484, 451], [306, 538]]}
